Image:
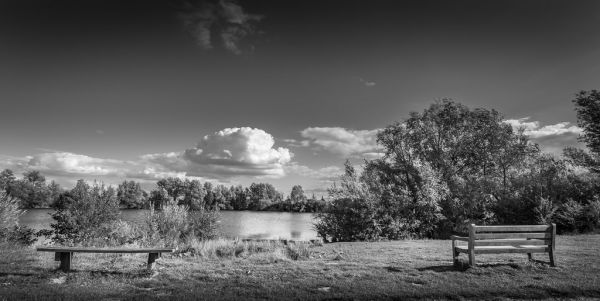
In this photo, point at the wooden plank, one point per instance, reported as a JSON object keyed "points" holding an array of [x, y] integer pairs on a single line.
{"points": [[454, 237], [523, 228], [512, 235], [510, 242], [101, 250], [519, 249]]}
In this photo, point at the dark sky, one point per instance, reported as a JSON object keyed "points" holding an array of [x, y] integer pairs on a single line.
{"points": [[87, 87]]}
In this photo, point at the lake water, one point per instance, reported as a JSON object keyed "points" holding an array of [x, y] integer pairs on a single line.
{"points": [[241, 224]]}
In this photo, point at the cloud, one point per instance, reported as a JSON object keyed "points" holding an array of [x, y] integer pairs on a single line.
{"points": [[208, 21], [229, 152], [342, 141], [552, 138], [534, 130], [367, 83], [328, 173], [218, 158]]}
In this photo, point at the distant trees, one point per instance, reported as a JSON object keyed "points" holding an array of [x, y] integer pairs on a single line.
{"points": [[131, 195], [31, 190]]}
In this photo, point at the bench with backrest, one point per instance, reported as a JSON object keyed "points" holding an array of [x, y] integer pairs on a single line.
{"points": [[527, 239], [65, 254]]}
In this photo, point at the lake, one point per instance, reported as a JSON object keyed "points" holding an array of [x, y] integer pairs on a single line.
{"points": [[241, 224]]}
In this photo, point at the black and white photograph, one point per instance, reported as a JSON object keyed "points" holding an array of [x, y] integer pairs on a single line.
{"points": [[299, 150]]}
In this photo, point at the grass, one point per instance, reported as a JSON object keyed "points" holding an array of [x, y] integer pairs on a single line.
{"points": [[222, 269]]}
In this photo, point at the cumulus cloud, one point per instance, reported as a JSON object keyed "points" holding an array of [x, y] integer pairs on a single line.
{"points": [[232, 151], [552, 138], [342, 141], [534, 130], [224, 22], [217, 157]]}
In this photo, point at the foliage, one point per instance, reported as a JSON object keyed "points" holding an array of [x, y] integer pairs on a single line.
{"points": [[32, 190], [10, 230], [131, 195], [587, 106], [451, 166], [84, 213], [175, 223]]}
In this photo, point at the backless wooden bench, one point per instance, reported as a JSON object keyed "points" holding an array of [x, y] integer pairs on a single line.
{"points": [[506, 239], [65, 254]]}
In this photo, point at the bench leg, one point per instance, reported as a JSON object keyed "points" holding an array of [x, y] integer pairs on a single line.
{"points": [[471, 258], [65, 260], [151, 259], [530, 256], [551, 255]]}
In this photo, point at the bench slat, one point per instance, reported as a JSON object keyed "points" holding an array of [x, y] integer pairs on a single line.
{"points": [[512, 235], [523, 228], [101, 250], [511, 242], [505, 249]]}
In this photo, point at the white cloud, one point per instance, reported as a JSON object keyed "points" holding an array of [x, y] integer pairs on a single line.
{"points": [[229, 152], [551, 138], [367, 83], [342, 141], [534, 130], [220, 156], [324, 173], [225, 19]]}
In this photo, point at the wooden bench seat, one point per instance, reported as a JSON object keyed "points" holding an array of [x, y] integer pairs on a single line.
{"points": [[527, 239], [65, 254]]}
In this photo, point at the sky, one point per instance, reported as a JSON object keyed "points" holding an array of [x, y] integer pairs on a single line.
{"points": [[235, 92]]}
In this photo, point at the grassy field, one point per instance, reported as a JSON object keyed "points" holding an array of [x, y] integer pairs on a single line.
{"points": [[371, 271]]}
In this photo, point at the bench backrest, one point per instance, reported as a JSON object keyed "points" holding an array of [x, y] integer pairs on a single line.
{"points": [[512, 235]]}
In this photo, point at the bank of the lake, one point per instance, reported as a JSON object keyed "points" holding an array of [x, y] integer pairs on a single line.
{"points": [[232, 224], [338, 271]]}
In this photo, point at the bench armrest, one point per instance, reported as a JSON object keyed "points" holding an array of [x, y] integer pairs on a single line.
{"points": [[454, 237]]}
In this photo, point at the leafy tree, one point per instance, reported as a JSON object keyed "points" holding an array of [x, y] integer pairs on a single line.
{"points": [[195, 195], [587, 106], [84, 213], [131, 195], [7, 179], [174, 187]]}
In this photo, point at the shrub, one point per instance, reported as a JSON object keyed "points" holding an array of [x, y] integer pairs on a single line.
{"points": [[84, 214], [591, 216], [10, 231], [568, 216], [348, 220], [174, 223], [545, 211]]}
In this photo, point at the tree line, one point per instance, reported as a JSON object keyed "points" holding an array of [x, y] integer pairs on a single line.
{"points": [[33, 191]]}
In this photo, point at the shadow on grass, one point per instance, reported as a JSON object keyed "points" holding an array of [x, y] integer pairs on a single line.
{"points": [[2, 274]]}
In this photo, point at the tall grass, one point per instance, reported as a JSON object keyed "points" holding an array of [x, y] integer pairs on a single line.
{"points": [[227, 248], [174, 224]]}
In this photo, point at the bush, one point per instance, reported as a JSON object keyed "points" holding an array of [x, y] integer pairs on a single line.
{"points": [[591, 216], [545, 211], [568, 216], [348, 220], [10, 231], [174, 223], [85, 215]]}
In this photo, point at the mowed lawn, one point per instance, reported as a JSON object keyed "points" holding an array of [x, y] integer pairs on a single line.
{"points": [[371, 271]]}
